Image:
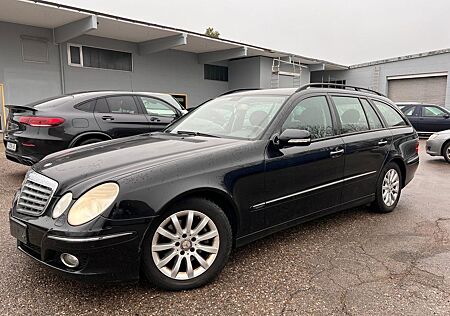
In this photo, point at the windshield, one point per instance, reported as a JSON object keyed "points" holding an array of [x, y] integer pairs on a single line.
{"points": [[232, 116]]}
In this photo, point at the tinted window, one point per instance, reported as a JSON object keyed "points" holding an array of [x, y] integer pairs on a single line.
{"points": [[372, 117], [101, 106], [157, 107], [313, 115], [213, 72], [432, 111], [391, 116], [106, 59], [351, 114], [75, 56], [87, 106], [409, 111], [122, 104]]}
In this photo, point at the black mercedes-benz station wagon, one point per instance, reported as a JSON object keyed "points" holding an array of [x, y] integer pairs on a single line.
{"points": [[47, 126], [173, 204]]}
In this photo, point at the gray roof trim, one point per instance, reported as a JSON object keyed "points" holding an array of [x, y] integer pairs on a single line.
{"points": [[401, 58]]}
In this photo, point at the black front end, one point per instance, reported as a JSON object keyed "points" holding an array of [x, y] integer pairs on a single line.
{"points": [[104, 249]]}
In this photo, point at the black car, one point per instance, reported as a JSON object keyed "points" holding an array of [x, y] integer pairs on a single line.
{"points": [[47, 126], [426, 118], [174, 203]]}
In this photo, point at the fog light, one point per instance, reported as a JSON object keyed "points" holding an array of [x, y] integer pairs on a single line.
{"points": [[69, 260]]}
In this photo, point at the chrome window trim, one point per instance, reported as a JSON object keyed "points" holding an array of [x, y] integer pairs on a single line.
{"points": [[264, 204]]}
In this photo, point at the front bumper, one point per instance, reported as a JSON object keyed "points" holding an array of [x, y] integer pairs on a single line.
{"points": [[109, 255], [434, 147]]}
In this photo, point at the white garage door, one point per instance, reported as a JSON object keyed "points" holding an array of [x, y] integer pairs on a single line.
{"points": [[426, 89]]}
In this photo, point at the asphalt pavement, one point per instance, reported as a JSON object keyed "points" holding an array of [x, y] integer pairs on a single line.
{"points": [[351, 263]]}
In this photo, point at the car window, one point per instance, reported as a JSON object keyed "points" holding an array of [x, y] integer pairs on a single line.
{"points": [[372, 117], [101, 106], [156, 107], [311, 114], [122, 104], [391, 116], [87, 106], [409, 111], [432, 111], [351, 114]]}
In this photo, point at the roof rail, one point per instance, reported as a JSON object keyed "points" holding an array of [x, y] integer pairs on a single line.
{"points": [[237, 90], [337, 86]]}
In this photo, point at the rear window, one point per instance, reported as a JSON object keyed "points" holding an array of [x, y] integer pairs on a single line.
{"points": [[50, 103], [391, 116]]}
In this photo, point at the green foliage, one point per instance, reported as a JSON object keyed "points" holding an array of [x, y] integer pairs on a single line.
{"points": [[212, 33]]}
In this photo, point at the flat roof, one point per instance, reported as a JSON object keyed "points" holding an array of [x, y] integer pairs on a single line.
{"points": [[52, 15]]}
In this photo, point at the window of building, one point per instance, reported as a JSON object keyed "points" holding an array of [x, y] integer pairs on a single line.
{"points": [[213, 72], [157, 107], [34, 49], [391, 116], [92, 57], [311, 114], [351, 114]]}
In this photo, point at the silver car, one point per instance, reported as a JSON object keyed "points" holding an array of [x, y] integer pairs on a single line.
{"points": [[439, 144]]}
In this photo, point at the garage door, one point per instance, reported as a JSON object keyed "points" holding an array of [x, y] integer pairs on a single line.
{"points": [[426, 89]]}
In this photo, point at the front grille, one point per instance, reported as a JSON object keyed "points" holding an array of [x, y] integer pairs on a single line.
{"points": [[36, 193]]}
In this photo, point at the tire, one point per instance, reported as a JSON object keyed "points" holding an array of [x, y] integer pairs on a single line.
{"points": [[446, 152], [89, 141], [183, 245], [391, 180]]}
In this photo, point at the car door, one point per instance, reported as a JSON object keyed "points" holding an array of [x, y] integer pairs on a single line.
{"points": [[366, 143], [158, 112], [119, 116], [303, 180], [433, 119]]}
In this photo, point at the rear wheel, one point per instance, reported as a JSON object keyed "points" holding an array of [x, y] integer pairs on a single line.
{"points": [[188, 246], [389, 187], [446, 152]]}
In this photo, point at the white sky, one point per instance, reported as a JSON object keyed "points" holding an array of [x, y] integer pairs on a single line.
{"points": [[344, 31]]}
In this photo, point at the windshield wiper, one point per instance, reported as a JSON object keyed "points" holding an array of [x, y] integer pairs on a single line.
{"points": [[196, 134]]}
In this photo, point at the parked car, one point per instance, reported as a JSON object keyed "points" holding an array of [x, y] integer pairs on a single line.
{"points": [[240, 167], [439, 145], [47, 126], [426, 118]]}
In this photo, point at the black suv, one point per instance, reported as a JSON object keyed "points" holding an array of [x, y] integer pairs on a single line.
{"points": [[47, 126], [426, 118], [174, 203]]}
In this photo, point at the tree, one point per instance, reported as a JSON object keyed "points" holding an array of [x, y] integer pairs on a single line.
{"points": [[212, 33]]}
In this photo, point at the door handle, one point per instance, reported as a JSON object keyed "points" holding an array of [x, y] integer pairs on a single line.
{"points": [[382, 142], [107, 118], [337, 152], [155, 119]]}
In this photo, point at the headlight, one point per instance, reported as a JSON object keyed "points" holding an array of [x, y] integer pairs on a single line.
{"points": [[92, 203], [433, 136], [62, 205]]}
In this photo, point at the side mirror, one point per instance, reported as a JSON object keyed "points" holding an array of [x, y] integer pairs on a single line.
{"points": [[446, 115], [295, 137]]}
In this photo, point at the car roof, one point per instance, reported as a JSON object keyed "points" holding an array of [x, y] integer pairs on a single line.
{"points": [[94, 94]]}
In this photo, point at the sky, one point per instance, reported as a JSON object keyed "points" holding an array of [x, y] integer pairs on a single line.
{"points": [[346, 31]]}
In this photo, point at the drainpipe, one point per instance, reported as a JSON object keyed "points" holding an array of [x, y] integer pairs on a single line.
{"points": [[61, 73]]}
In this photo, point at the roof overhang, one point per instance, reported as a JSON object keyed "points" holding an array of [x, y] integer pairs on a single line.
{"points": [[69, 22]]}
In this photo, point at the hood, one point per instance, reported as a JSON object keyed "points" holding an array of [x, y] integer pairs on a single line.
{"points": [[112, 159]]}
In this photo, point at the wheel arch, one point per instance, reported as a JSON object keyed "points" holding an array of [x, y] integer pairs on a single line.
{"points": [[443, 146], [81, 137], [221, 198], [401, 164]]}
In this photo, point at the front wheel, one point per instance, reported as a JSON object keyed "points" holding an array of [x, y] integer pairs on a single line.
{"points": [[188, 246], [446, 152], [389, 187]]}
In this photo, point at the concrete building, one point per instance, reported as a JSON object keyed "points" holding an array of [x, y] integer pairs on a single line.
{"points": [[48, 49]]}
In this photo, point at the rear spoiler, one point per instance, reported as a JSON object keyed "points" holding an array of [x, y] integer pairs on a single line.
{"points": [[12, 107]]}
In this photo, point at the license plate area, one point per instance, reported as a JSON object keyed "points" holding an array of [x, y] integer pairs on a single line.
{"points": [[11, 146], [18, 230]]}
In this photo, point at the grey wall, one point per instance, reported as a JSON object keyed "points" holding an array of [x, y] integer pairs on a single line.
{"points": [[244, 73], [365, 76]]}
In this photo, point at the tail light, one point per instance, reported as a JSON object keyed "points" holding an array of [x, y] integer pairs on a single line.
{"points": [[417, 147], [40, 121]]}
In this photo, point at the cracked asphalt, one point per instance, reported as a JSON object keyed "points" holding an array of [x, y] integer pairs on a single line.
{"points": [[351, 263]]}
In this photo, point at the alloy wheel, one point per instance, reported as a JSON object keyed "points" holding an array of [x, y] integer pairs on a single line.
{"points": [[390, 187], [185, 245]]}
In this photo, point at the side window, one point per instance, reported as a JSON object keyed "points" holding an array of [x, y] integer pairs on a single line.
{"points": [[372, 117], [313, 115], [101, 106], [432, 111], [86, 106], [392, 117], [122, 104], [157, 107], [351, 114], [409, 111]]}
